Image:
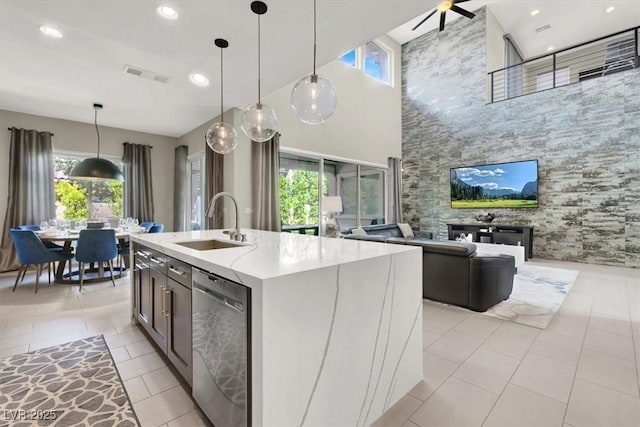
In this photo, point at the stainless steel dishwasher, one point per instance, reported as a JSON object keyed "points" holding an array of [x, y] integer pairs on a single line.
{"points": [[222, 349]]}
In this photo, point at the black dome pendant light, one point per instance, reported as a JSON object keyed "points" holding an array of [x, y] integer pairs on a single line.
{"points": [[96, 169]]}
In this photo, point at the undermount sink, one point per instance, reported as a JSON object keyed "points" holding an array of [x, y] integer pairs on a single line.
{"points": [[206, 245]]}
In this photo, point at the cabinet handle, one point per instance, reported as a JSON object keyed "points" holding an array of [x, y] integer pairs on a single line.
{"points": [[176, 271], [156, 260], [162, 289], [167, 313]]}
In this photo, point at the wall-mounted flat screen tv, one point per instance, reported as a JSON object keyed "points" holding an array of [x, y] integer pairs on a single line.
{"points": [[498, 185]]}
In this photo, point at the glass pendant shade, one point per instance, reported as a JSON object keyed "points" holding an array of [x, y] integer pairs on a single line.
{"points": [[259, 122], [313, 99], [222, 138]]}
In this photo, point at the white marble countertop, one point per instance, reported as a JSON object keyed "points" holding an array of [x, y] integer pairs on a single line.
{"points": [[266, 254]]}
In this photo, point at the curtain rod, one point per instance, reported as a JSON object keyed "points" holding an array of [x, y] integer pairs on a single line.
{"points": [[151, 146], [11, 128]]}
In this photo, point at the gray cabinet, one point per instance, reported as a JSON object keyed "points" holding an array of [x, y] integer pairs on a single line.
{"points": [[142, 286], [163, 305]]}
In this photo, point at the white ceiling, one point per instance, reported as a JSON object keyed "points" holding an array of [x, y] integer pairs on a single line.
{"points": [[62, 78], [572, 21]]}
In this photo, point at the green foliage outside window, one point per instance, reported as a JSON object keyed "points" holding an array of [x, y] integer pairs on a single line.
{"points": [[73, 198], [298, 197]]}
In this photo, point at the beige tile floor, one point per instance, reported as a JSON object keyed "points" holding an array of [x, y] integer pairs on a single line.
{"points": [[583, 370]]}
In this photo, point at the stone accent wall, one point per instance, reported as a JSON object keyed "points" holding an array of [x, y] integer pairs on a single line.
{"points": [[585, 136]]}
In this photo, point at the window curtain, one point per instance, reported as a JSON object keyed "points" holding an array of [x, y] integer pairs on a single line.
{"points": [[513, 76], [180, 189], [214, 183], [138, 187], [31, 195], [394, 183], [265, 194]]}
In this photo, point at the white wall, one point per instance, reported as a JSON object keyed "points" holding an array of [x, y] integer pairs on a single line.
{"points": [[367, 124], [495, 46], [81, 138]]}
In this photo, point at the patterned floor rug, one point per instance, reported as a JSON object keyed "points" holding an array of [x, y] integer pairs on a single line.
{"points": [[73, 384], [537, 294]]}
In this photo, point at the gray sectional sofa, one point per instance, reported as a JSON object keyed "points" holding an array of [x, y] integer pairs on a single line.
{"points": [[453, 272]]}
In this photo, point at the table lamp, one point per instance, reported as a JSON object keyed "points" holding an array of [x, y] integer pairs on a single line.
{"points": [[331, 205]]}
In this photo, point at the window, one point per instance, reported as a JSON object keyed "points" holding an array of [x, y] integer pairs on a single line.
{"points": [[84, 200], [372, 58], [298, 190], [349, 58], [545, 80], [377, 62]]}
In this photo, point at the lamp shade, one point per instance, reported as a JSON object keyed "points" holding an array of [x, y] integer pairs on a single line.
{"points": [[95, 169], [222, 138], [313, 99], [259, 122], [332, 204]]}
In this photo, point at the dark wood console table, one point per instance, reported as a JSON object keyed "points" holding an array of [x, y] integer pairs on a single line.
{"points": [[500, 234]]}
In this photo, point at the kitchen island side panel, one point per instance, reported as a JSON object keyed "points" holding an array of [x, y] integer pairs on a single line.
{"points": [[341, 344]]}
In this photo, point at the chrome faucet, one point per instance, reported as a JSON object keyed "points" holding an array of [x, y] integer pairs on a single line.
{"points": [[233, 234]]}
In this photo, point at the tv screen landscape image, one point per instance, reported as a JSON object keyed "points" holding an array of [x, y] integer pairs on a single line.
{"points": [[498, 185]]}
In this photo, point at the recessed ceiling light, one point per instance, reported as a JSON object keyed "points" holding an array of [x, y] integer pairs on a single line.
{"points": [[50, 31], [610, 9], [534, 12], [199, 79], [550, 48], [167, 12]]}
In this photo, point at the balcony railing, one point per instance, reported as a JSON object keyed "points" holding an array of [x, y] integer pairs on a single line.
{"points": [[596, 58]]}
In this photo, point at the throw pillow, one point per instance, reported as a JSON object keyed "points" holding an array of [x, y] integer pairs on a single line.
{"points": [[406, 230], [358, 232]]}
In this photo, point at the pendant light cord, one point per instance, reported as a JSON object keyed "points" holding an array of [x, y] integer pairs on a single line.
{"points": [[96, 123], [314, 37], [221, 86], [259, 101]]}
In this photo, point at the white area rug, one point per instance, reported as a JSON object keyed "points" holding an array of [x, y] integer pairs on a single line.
{"points": [[537, 294]]}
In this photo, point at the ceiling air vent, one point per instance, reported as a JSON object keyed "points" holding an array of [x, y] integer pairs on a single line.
{"points": [[145, 74], [543, 28]]}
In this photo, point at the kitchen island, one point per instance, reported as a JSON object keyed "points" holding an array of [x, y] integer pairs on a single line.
{"points": [[336, 325]]}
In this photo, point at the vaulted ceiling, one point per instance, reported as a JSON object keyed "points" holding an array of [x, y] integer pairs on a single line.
{"points": [[63, 77]]}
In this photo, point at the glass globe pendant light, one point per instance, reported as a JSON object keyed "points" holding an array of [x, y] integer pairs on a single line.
{"points": [[313, 98], [222, 137], [259, 121], [95, 168]]}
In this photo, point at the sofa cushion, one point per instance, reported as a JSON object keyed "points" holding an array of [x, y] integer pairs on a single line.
{"points": [[406, 231], [358, 232], [365, 237], [388, 230], [445, 247]]}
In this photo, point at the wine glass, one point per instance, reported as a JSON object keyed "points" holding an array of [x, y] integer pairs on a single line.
{"points": [[44, 225]]}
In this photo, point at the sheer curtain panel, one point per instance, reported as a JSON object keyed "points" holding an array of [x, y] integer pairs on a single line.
{"points": [[31, 196], [180, 189], [138, 187], [265, 194], [394, 178]]}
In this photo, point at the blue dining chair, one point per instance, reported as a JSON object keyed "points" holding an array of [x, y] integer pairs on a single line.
{"points": [[147, 225], [156, 228], [34, 227], [96, 245], [31, 251]]}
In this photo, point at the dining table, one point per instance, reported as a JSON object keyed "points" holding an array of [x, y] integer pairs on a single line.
{"points": [[92, 274]]}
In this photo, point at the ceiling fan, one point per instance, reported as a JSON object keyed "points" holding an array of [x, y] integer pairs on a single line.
{"points": [[442, 8]]}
